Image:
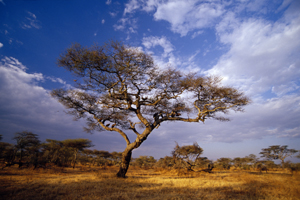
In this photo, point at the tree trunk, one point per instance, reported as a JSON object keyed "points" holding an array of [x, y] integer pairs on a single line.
{"points": [[20, 161], [282, 163], [126, 157], [75, 158]]}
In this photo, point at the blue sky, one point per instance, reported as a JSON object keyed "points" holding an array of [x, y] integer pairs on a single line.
{"points": [[254, 45]]}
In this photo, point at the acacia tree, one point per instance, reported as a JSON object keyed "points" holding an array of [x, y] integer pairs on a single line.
{"points": [[145, 161], [55, 152], [77, 145], [277, 152], [224, 163], [187, 155], [27, 143], [118, 87]]}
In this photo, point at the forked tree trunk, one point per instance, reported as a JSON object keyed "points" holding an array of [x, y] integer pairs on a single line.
{"points": [[126, 157]]}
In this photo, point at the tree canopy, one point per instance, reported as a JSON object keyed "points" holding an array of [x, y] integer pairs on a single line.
{"points": [[27, 142], [187, 154], [277, 152], [118, 87]]}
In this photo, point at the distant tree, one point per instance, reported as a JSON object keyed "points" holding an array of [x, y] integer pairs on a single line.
{"points": [[166, 162], [118, 87], [86, 157], [187, 155], [117, 157], [26, 142], [277, 152], [238, 162], [53, 151], [251, 160], [145, 161], [202, 162], [224, 163], [1, 137], [104, 158], [77, 145], [103, 154], [7, 153]]}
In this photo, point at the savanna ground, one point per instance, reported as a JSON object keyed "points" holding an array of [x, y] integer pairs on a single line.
{"points": [[97, 183]]}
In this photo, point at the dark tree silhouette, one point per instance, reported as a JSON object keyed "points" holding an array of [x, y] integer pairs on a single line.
{"points": [[26, 142], [77, 145], [118, 87]]}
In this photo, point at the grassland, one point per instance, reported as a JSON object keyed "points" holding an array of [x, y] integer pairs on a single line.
{"points": [[96, 183]]}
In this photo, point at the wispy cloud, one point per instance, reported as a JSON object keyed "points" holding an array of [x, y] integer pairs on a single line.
{"points": [[31, 22], [128, 25]]}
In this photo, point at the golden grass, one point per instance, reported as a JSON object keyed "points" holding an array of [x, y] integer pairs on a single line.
{"points": [[96, 183]]}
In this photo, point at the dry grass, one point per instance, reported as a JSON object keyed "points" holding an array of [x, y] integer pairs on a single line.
{"points": [[93, 183]]}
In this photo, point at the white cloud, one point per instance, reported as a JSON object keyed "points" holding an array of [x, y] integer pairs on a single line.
{"points": [[184, 16], [129, 25], [195, 34], [22, 99], [1, 45], [102, 21], [165, 59], [262, 55], [25, 105], [113, 14], [277, 117], [285, 4], [108, 2], [31, 22], [17, 70], [131, 6], [58, 80], [152, 41]]}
